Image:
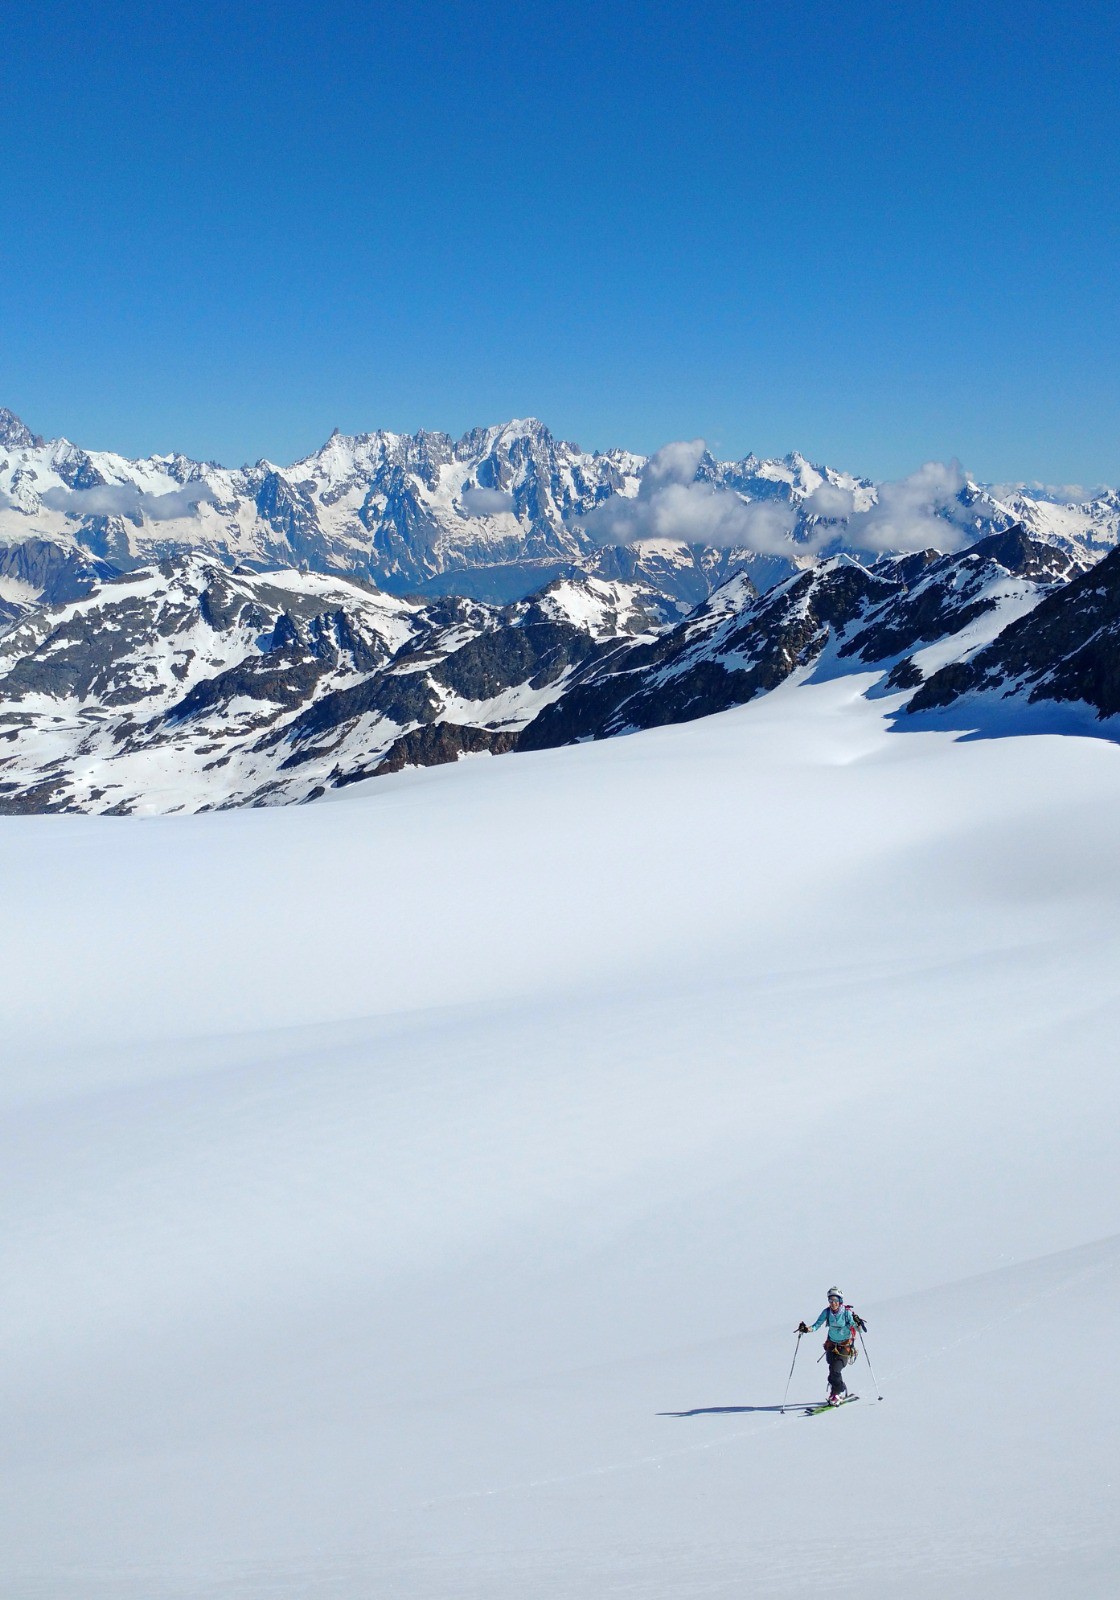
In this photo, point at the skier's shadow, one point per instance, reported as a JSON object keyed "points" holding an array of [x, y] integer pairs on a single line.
{"points": [[720, 1411]]}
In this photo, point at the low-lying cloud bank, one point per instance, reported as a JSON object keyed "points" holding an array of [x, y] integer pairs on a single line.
{"points": [[910, 513], [482, 502], [672, 504], [126, 500], [915, 512]]}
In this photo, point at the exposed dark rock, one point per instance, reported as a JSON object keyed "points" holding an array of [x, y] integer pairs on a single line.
{"points": [[730, 649], [285, 677], [905, 674], [1066, 649], [535, 653], [947, 593], [401, 697], [440, 742], [54, 573]]}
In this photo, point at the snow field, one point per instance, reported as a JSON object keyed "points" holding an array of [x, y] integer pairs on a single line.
{"points": [[413, 1195]]}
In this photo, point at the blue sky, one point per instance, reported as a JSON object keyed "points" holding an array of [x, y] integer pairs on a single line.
{"points": [[875, 233]]}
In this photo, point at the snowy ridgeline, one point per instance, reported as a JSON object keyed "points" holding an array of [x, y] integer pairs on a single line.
{"points": [[179, 636], [495, 514], [186, 686], [414, 1194]]}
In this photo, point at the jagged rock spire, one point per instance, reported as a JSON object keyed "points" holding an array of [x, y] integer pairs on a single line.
{"points": [[14, 433]]}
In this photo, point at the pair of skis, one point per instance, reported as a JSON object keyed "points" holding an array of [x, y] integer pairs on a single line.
{"points": [[815, 1411]]}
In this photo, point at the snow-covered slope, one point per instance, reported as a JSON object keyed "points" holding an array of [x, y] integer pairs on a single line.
{"points": [[1090, 524], [414, 1195]]}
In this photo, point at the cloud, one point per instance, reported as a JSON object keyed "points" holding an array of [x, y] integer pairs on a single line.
{"points": [[126, 500], [178, 502], [915, 513], [1062, 494], [830, 500], [674, 463], [912, 513], [480, 502], [671, 504]]}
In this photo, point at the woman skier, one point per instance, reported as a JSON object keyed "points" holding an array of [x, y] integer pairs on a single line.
{"points": [[840, 1343]]}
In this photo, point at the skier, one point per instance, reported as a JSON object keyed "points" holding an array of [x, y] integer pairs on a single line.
{"points": [[840, 1343]]}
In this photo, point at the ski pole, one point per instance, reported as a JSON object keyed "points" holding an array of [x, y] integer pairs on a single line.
{"points": [[792, 1364], [870, 1368]]}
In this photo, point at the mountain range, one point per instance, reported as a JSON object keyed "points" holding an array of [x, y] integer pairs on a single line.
{"points": [[259, 637], [494, 515], [185, 685]]}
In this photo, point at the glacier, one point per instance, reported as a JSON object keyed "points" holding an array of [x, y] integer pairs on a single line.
{"points": [[414, 1194]]}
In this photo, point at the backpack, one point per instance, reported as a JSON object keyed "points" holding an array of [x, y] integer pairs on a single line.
{"points": [[848, 1346]]}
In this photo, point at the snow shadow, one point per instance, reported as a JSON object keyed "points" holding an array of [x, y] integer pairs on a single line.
{"points": [[971, 717], [719, 1411], [974, 717]]}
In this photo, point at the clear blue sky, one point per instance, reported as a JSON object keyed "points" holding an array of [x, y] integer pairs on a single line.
{"points": [[877, 233]]}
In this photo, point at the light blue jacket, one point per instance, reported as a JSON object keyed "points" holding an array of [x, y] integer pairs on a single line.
{"points": [[841, 1324]]}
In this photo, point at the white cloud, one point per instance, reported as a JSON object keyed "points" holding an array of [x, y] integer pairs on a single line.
{"points": [[674, 463], [915, 513], [480, 502], [671, 504], [182, 502], [1062, 494], [830, 500], [910, 513], [126, 500]]}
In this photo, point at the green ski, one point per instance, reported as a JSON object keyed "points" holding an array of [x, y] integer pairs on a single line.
{"points": [[815, 1411]]}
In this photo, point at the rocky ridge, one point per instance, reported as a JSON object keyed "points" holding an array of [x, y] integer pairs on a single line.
{"points": [[902, 616], [188, 686], [1063, 652]]}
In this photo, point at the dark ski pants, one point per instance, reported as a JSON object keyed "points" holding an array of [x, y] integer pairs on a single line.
{"points": [[837, 1361]]}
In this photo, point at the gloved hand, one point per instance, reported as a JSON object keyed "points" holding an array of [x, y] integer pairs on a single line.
{"points": [[801, 1328], [860, 1324]]}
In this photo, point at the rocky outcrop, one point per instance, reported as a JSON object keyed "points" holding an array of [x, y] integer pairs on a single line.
{"points": [[944, 595], [40, 572], [733, 647], [1067, 649], [16, 435]]}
